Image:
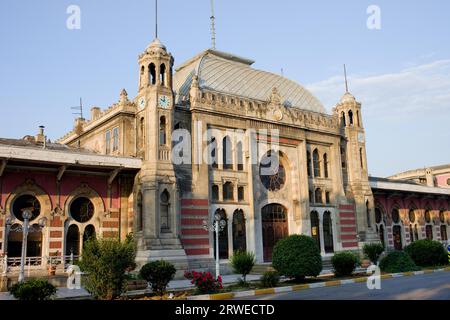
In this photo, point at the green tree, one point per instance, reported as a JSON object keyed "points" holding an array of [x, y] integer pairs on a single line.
{"points": [[105, 262]]}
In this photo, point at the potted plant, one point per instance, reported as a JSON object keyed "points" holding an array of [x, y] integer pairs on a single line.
{"points": [[52, 264]]}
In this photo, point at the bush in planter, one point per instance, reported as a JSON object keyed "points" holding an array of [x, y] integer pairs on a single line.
{"points": [[204, 281], [373, 251], [270, 279], [34, 289], [344, 263], [427, 253], [297, 256], [158, 274], [397, 261], [105, 262], [242, 263]]}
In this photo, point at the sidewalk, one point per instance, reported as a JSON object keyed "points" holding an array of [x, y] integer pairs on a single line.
{"points": [[64, 293]]}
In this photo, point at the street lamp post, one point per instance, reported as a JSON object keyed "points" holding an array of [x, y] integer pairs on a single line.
{"points": [[217, 226], [25, 228]]}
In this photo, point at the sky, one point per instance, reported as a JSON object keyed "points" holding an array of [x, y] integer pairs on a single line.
{"points": [[400, 72]]}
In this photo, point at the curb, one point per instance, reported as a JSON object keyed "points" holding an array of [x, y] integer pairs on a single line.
{"points": [[298, 287]]}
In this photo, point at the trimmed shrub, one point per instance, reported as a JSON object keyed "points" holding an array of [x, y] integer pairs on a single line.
{"points": [[242, 263], [105, 262], [427, 253], [297, 256], [397, 261], [34, 289], [344, 263], [270, 279], [204, 281], [373, 251], [158, 274]]}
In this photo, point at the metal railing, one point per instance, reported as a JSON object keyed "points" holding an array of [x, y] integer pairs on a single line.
{"points": [[12, 264]]}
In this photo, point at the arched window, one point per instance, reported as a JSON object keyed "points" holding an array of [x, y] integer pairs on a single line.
{"points": [[350, 117], [308, 163], [89, 234], [328, 232], [223, 237], [239, 234], [318, 196], [141, 77], [162, 131], [215, 192], [316, 163], [227, 155], [162, 74], [164, 206], [343, 119], [152, 74], [82, 209], [315, 228], [73, 240], [228, 192], [240, 156], [325, 165], [213, 152]]}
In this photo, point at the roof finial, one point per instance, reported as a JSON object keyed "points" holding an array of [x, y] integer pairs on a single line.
{"points": [[156, 19], [345, 76], [213, 26]]}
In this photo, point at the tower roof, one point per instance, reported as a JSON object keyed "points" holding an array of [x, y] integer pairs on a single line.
{"points": [[230, 74]]}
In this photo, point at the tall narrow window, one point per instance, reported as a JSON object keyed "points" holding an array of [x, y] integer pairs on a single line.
{"points": [[228, 191], [227, 153], [162, 74], [108, 142], [152, 74], [361, 159], [308, 163], [215, 192], [142, 130], [162, 131], [240, 157], [115, 139], [318, 196], [164, 211], [325, 165], [316, 163], [350, 117], [213, 150], [241, 195]]}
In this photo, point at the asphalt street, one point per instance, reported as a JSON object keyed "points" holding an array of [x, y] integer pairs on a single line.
{"points": [[434, 286]]}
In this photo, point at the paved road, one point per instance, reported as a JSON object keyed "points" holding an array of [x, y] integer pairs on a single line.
{"points": [[434, 286]]}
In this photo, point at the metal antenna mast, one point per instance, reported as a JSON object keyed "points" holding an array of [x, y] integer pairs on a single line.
{"points": [[213, 26], [345, 76], [79, 109], [156, 19]]}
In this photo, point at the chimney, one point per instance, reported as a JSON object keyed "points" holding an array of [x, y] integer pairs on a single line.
{"points": [[40, 137], [95, 113]]}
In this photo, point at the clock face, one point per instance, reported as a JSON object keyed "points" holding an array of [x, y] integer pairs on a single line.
{"points": [[360, 137], [164, 101], [141, 103]]}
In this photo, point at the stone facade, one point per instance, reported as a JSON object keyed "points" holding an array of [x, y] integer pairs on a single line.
{"points": [[195, 143]]}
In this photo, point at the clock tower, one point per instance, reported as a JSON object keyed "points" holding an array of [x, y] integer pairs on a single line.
{"points": [[160, 229], [354, 166]]}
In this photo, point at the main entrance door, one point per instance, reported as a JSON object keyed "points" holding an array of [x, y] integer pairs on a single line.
{"points": [[274, 227]]}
